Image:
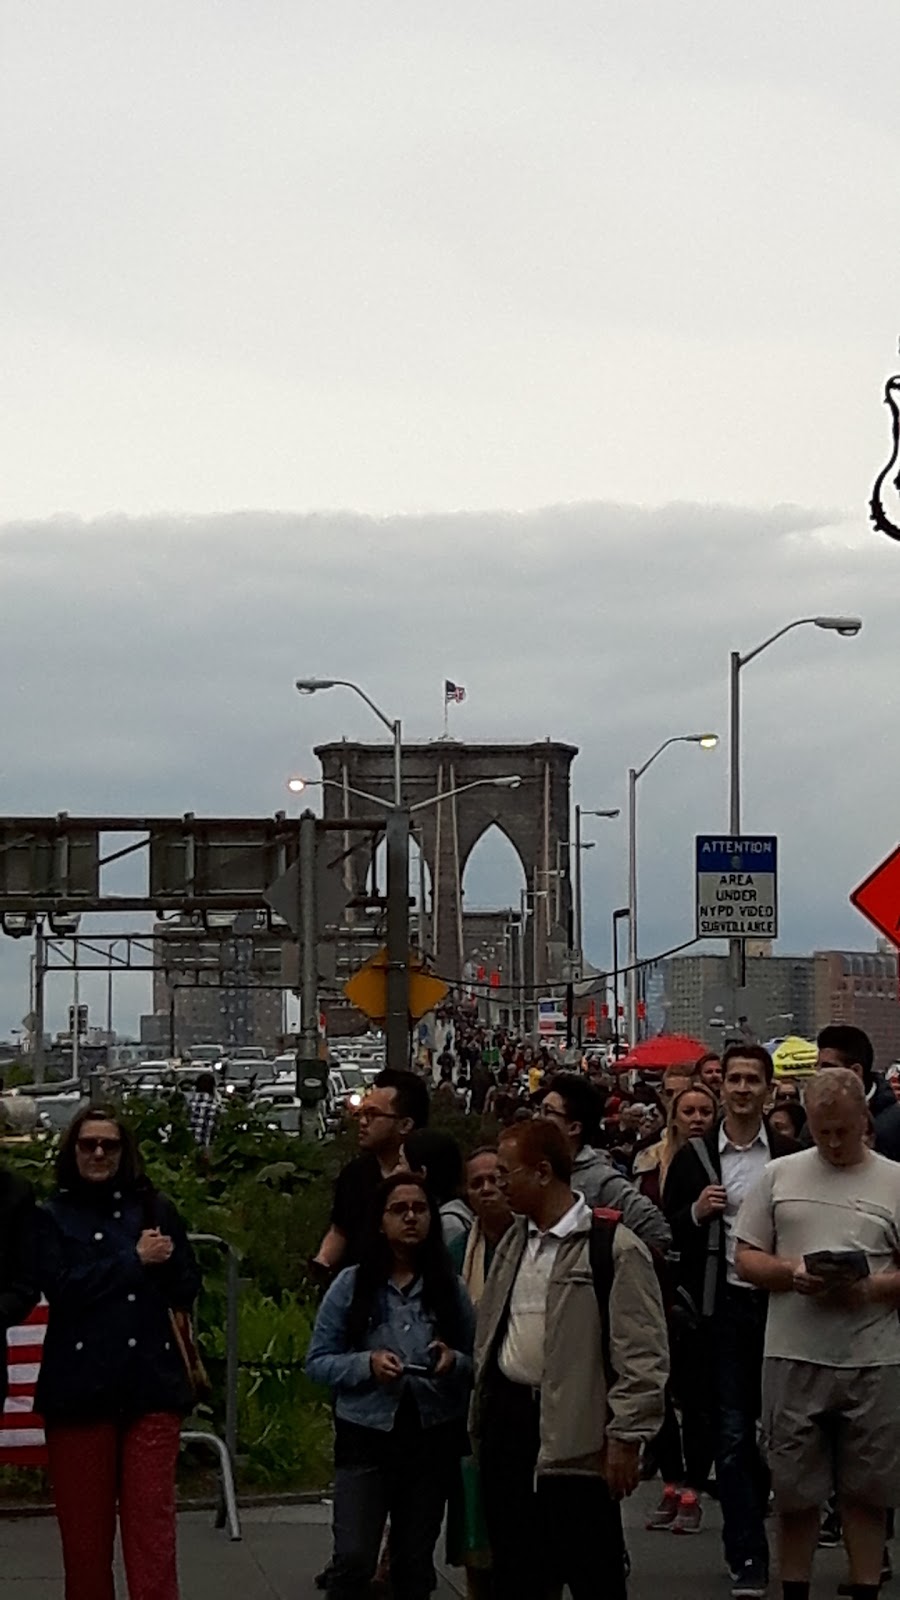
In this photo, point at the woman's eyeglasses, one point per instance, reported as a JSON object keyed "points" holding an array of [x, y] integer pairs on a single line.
{"points": [[408, 1208], [87, 1145]]}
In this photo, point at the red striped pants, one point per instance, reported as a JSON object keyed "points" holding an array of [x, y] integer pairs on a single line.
{"points": [[97, 1468]]}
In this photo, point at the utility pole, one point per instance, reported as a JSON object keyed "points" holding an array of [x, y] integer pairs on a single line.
{"points": [[76, 1031], [308, 1054], [616, 919], [570, 983], [737, 950], [397, 837], [578, 890], [39, 973], [632, 974]]}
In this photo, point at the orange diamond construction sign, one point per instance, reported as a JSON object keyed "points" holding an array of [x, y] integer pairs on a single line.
{"points": [[367, 989]]}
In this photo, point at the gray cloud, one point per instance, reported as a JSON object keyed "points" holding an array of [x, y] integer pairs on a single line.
{"points": [[384, 257], [148, 666], [327, 256]]}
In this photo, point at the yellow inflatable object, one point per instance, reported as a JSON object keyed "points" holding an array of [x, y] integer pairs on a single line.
{"points": [[795, 1058]]}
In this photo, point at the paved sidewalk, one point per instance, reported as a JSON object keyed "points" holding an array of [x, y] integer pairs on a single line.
{"points": [[282, 1549], [285, 1546]]}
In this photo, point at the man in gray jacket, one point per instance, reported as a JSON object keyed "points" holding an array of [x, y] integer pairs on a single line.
{"points": [[572, 1103], [562, 1403]]}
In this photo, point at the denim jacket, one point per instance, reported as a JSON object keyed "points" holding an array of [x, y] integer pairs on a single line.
{"points": [[404, 1326]]}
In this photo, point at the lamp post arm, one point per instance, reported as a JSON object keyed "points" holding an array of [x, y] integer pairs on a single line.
{"points": [[799, 622], [676, 738], [450, 794], [344, 683]]}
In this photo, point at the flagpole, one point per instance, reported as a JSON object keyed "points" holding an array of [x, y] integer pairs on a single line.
{"points": [[446, 712]]}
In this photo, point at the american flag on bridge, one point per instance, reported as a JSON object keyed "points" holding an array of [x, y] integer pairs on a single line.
{"points": [[453, 691], [22, 1442]]}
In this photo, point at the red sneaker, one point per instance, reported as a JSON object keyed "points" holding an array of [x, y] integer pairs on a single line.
{"points": [[689, 1516], [663, 1518]]}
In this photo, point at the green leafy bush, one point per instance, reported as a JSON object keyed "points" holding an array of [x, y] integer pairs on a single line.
{"points": [[268, 1195]]}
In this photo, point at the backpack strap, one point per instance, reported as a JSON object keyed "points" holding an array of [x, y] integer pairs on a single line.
{"points": [[604, 1223], [713, 1233]]}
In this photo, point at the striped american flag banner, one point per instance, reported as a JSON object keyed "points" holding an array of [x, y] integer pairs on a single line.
{"points": [[22, 1442]]}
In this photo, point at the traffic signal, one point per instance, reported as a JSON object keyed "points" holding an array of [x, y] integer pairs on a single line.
{"points": [[82, 1023]]}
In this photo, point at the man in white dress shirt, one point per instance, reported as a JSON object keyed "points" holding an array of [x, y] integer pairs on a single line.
{"points": [[706, 1185]]}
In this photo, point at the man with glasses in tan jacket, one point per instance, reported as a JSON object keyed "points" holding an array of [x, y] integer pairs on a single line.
{"points": [[565, 1395]]}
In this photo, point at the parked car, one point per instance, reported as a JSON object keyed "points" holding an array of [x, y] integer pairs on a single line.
{"points": [[274, 1094], [56, 1111], [45, 1090], [206, 1055], [285, 1065]]}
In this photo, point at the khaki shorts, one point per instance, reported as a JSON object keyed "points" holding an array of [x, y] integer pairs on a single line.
{"points": [[831, 1430]]}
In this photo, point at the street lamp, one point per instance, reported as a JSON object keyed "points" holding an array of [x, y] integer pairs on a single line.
{"points": [[706, 741], [847, 627], [393, 725], [397, 830], [610, 813]]}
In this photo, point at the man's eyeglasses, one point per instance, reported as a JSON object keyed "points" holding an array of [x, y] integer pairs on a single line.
{"points": [[87, 1145], [408, 1208], [551, 1111], [373, 1114]]}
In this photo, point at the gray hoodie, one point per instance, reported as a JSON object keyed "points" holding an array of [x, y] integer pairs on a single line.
{"points": [[594, 1176]]}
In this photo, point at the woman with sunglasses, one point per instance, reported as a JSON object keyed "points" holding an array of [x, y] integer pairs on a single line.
{"points": [[393, 1341], [114, 1263]]}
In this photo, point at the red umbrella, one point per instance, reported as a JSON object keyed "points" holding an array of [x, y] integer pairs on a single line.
{"points": [[666, 1050]]}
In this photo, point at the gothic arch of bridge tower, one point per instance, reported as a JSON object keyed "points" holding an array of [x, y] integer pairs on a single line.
{"points": [[534, 817]]}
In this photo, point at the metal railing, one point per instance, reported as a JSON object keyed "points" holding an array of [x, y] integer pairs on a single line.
{"points": [[226, 1449]]}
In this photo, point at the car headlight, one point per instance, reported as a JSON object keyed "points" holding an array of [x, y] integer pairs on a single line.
{"points": [[229, 1088], [354, 1100]]}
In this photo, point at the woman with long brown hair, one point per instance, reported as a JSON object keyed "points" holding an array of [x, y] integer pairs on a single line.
{"points": [[115, 1264], [393, 1341]]}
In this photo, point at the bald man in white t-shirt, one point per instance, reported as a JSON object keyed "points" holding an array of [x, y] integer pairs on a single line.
{"points": [[831, 1382]]}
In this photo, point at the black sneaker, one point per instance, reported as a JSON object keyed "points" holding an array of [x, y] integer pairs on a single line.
{"points": [[749, 1582]]}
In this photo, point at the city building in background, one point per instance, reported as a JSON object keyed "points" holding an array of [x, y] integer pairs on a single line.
{"points": [[211, 984], [860, 988], [699, 999], [783, 994]]}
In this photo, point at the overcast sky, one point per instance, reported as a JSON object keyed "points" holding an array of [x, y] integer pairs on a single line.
{"points": [[583, 313]]}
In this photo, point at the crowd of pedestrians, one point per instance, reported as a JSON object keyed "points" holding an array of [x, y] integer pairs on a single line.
{"points": [[696, 1278], [538, 1288]]}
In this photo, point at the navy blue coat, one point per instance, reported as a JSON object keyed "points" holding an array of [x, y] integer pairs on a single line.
{"points": [[110, 1352]]}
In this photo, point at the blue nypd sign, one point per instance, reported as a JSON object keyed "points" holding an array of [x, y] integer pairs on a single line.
{"points": [[737, 886]]}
